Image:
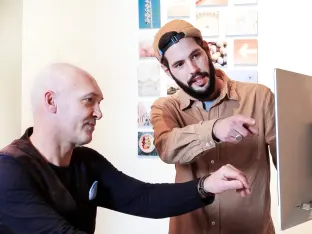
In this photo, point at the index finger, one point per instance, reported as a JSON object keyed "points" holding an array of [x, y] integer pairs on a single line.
{"points": [[252, 129], [244, 120]]}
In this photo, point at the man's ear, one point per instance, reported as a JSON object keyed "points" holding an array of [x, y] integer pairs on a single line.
{"points": [[166, 70], [49, 100], [206, 48]]}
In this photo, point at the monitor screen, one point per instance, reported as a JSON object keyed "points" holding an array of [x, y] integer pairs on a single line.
{"points": [[293, 116]]}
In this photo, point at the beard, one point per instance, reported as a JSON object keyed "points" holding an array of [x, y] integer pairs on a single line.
{"points": [[199, 94]]}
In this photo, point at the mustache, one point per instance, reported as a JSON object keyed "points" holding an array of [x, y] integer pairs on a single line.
{"points": [[202, 74]]}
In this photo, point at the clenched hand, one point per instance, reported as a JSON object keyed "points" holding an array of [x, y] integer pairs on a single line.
{"points": [[227, 178]]}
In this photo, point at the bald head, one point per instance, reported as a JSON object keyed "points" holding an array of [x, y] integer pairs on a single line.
{"points": [[66, 103], [57, 78]]}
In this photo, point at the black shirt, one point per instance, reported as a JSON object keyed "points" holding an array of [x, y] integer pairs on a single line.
{"points": [[26, 208]]}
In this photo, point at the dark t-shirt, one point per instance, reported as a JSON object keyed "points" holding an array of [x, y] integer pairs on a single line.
{"points": [[25, 208]]}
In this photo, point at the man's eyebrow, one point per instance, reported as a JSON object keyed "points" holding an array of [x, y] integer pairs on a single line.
{"points": [[92, 94], [179, 61], [194, 51]]}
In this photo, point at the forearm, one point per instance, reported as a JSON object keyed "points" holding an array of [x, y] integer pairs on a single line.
{"points": [[120, 192], [167, 200], [183, 145]]}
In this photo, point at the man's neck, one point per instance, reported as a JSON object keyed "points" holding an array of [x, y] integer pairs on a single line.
{"points": [[52, 149]]}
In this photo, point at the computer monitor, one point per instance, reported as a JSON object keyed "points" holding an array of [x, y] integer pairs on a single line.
{"points": [[293, 109]]}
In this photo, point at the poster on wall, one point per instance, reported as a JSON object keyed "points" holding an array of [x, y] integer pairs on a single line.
{"points": [[178, 8], [245, 51], [208, 22], [218, 52], [149, 14], [145, 40], [211, 2], [144, 112], [244, 2], [185, 19], [242, 22], [148, 74], [242, 75], [146, 147]]}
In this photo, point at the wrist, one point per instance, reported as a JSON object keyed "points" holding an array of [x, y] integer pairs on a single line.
{"points": [[213, 134], [203, 192]]}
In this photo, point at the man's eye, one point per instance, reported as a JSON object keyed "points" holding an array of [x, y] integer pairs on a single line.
{"points": [[195, 55], [88, 100], [178, 65]]}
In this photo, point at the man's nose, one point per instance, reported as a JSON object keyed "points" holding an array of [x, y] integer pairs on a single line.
{"points": [[97, 113], [193, 67]]}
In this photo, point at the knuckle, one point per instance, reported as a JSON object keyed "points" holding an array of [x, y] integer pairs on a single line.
{"points": [[231, 126]]}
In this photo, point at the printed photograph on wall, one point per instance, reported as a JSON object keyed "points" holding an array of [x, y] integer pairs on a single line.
{"points": [[211, 2], [178, 8], [242, 22], [245, 52], [170, 19], [172, 86], [145, 39], [149, 14], [242, 75], [208, 22], [148, 73], [144, 111], [218, 52], [244, 2], [146, 147]]}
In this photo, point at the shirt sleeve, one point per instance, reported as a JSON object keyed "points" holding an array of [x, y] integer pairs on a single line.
{"points": [[176, 144], [269, 115], [22, 210], [120, 192]]}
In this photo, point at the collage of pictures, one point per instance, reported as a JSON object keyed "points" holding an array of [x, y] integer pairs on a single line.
{"points": [[229, 26]]}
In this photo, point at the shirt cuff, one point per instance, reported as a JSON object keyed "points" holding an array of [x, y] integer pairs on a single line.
{"points": [[205, 137]]}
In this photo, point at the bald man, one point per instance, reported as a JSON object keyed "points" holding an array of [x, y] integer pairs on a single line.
{"points": [[51, 183]]}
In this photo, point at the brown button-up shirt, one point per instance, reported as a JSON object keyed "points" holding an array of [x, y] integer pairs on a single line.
{"points": [[182, 131]]}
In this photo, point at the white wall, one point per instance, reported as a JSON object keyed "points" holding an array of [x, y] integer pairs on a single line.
{"points": [[82, 32], [10, 69], [101, 36]]}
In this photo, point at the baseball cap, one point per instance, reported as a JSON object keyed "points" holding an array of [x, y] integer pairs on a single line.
{"points": [[181, 27]]}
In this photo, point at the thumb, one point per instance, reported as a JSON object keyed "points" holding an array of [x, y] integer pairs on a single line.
{"points": [[233, 184]]}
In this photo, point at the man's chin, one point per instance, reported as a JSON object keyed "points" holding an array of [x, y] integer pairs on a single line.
{"points": [[84, 141], [200, 89]]}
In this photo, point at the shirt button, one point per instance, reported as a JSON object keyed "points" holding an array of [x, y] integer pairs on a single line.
{"points": [[213, 223], [212, 161]]}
